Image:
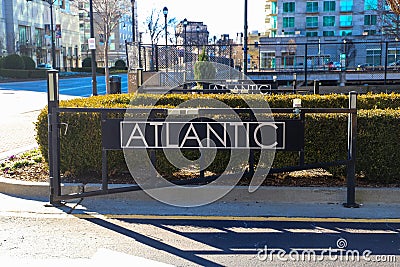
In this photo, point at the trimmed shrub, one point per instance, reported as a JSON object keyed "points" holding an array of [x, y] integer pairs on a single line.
{"points": [[23, 74], [19, 74], [203, 69], [120, 64], [14, 62], [38, 74], [325, 134], [87, 62], [29, 63]]}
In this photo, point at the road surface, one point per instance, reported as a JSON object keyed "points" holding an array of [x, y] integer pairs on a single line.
{"points": [[68, 86]]}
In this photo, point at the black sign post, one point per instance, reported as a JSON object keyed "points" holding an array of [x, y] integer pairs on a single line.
{"points": [[53, 135], [351, 152]]}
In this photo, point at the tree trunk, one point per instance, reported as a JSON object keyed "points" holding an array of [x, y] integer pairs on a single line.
{"points": [[106, 70]]}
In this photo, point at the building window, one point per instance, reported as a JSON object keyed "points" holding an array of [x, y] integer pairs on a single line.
{"points": [[39, 35], [393, 54], [346, 33], [312, 7], [274, 8], [370, 19], [287, 59], [346, 21], [329, 6], [288, 22], [267, 60], [328, 33], [311, 22], [311, 34], [369, 32], [374, 56], [371, 5], [23, 34], [346, 5], [273, 22], [288, 33], [328, 21], [289, 7]]}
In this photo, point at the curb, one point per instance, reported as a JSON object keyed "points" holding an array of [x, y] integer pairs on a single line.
{"points": [[328, 195]]}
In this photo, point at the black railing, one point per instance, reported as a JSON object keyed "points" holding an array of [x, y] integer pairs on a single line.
{"points": [[377, 60], [111, 133]]}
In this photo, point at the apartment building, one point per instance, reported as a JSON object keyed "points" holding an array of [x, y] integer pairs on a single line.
{"points": [[313, 33], [25, 29], [324, 18], [196, 33], [120, 37]]}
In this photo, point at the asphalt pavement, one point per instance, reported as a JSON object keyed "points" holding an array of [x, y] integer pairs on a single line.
{"points": [[70, 86]]}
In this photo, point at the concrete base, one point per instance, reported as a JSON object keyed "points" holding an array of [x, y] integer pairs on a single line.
{"points": [[327, 195]]}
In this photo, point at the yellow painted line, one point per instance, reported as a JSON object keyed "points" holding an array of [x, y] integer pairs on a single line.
{"points": [[234, 218]]}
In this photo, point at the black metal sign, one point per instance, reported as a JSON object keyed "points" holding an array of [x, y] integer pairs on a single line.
{"points": [[287, 135]]}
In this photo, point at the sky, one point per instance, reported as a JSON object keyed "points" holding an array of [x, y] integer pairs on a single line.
{"points": [[220, 16]]}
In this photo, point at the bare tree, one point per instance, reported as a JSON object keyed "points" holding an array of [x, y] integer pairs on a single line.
{"points": [[394, 5], [154, 28], [173, 38], [108, 14], [388, 20]]}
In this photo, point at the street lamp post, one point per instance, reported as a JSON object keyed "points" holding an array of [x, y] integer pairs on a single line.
{"points": [[53, 45], [165, 11], [139, 53], [198, 34], [133, 22], [134, 34], [185, 23], [245, 39], [93, 51], [198, 39]]}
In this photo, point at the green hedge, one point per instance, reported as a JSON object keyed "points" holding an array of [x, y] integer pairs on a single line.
{"points": [[365, 101], [29, 63], [325, 136], [98, 70], [23, 74], [14, 61]]}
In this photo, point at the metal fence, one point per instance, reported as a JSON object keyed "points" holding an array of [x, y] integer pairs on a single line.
{"points": [[375, 58]]}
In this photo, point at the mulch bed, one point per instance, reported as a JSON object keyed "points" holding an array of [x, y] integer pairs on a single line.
{"points": [[310, 178]]}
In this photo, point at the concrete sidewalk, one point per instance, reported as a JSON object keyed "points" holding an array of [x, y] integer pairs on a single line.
{"points": [[20, 110], [377, 203]]}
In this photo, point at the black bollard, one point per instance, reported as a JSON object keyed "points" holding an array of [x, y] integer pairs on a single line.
{"points": [[316, 87]]}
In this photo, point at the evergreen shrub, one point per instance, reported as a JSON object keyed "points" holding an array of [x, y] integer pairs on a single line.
{"points": [[14, 62], [120, 64], [29, 63], [87, 62]]}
